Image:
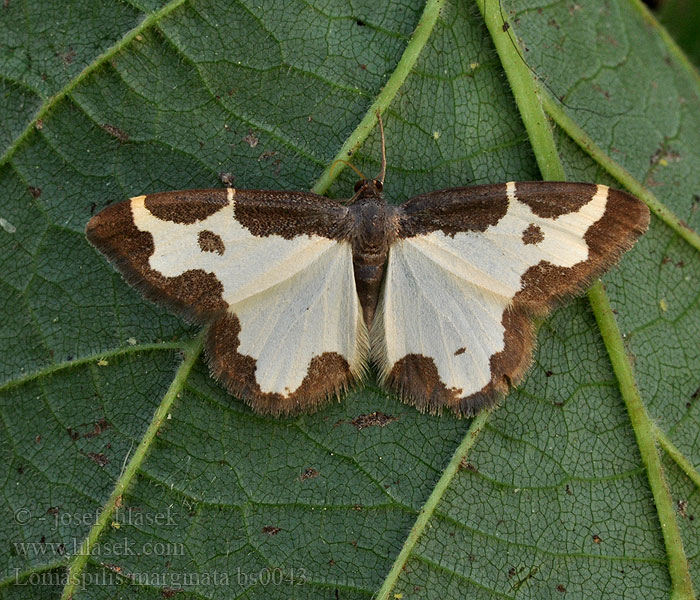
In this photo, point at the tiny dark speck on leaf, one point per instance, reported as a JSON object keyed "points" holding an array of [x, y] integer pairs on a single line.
{"points": [[378, 419], [114, 131], [506, 27], [227, 179], [465, 465], [35, 191], [250, 139], [561, 588], [168, 592], [271, 530], [549, 373], [597, 539], [360, 23], [97, 428], [696, 203], [98, 458], [309, 473]]}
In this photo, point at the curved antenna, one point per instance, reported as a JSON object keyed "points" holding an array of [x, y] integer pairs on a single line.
{"points": [[347, 163], [382, 172]]}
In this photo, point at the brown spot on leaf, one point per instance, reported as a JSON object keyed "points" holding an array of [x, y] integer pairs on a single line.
{"points": [[35, 191], [375, 419], [68, 56], [561, 588], [251, 139], [459, 351], [597, 539], [114, 131], [98, 458], [97, 428], [271, 530], [465, 465], [309, 473], [211, 242], [227, 179]]}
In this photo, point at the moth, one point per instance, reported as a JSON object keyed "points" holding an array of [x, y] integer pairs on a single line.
{"points": [[300, 292]]}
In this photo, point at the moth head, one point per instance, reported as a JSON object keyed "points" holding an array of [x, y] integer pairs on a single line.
{"points": [[369, 187]]}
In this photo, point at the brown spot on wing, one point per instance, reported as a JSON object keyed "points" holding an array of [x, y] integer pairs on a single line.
{"points": [[290, 214], [544, 284], [328, 374], [417, 381], [416, 378], [453, 210], [195, 294], [533, 234], [552, 199], [211, 242], [187, 206]]}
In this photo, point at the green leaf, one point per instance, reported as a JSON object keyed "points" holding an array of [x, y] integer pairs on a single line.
{"points": [[128, 472]]}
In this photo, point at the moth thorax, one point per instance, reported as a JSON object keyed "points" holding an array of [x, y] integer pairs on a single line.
{"points": [[372, 227]]}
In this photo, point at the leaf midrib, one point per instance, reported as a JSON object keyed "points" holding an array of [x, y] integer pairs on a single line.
{"points": [[102, 59]]}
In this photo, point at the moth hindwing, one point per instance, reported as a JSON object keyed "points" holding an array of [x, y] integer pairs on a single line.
{"points": [[301, 292]]}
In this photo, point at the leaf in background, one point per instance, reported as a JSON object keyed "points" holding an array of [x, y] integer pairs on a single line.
{"points": [[125, 462]]}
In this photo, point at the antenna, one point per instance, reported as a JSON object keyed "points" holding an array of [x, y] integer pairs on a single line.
{"points": [[382, 172]]}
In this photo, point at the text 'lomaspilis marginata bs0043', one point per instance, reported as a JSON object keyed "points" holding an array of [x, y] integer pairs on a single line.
{"points": [[301, 292]]}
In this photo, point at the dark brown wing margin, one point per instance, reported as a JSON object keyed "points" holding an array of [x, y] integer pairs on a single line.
{"points": [[415, 378], [196, 294]]}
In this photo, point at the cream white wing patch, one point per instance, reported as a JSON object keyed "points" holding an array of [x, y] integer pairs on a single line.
{"points": [[455, 322], [244, 264], [282, 296], [296, 342]]}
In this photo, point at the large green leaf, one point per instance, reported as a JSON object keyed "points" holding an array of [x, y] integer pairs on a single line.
{"points": [[127, 472]]}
